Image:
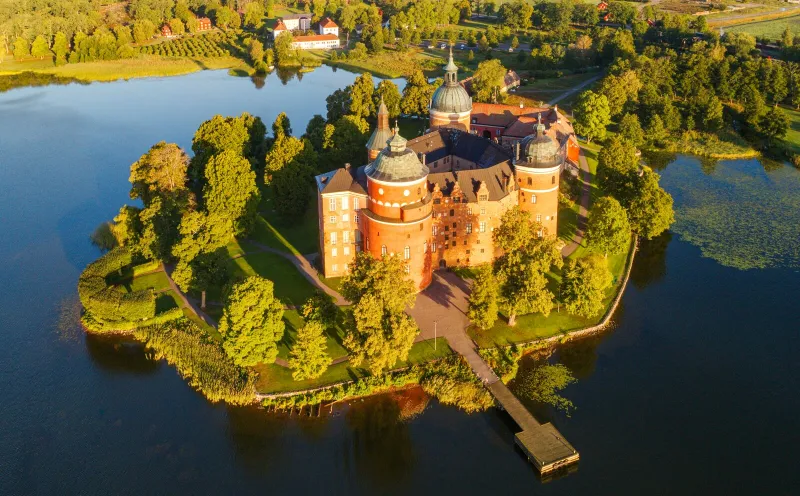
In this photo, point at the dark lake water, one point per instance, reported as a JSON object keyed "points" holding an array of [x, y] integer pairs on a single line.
{"points": [[694, 392]]}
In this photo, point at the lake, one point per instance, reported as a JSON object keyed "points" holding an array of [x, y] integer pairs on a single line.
{"points": [[694, 391]]}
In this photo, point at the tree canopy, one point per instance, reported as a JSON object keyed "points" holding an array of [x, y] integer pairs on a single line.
{"points": [[309, 358], [608, 229], [252, 322], [584, 284], [483, 298]]}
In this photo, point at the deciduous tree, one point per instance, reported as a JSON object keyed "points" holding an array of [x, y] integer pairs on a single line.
{"points": [[251, 323], [230, 190], [483, 298], [584, 283], [592, 115], [650, 210], [309, 358], [487, 81], [544, 383], [608, 229]]}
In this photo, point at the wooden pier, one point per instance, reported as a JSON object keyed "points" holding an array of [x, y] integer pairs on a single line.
{"points": [[544, 446]]}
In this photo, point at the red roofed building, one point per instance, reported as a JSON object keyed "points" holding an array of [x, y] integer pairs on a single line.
{"points": [[279, 28], [166, 31], [203, 24], [602, 7], [327, 26], [434, 201]]}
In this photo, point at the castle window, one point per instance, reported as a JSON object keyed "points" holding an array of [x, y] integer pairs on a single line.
{"points": [[530, 182], [355, 218], [333, 219], [469, 210], [483, 198], [452, 212], [358, 236], [457, 199], [483, 211], [433, 248], [332, 204], [345, 237], [446, 237], [333, 238], [482, 227], [446, 228], [420, 227], [533, 198], [334, 252], [454, 242], [455, 224], [406, 253], [467, 252], [345, 202], [345, 217], [334, 268], [408, 269], [481, 250], [469, 227], [419, 191], [383, 250], [465, 244], [538, 217], [346, 250], [553, 180], [437, 201], [435, 229], [355, 204]]}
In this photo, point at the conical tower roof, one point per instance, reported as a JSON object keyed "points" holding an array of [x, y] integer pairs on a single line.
{"points": [[540, 150], [382, 133], [451, 97]]}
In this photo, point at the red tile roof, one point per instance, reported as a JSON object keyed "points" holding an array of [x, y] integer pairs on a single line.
{"points": [[328, 23], [316, 37], [280, 26]]}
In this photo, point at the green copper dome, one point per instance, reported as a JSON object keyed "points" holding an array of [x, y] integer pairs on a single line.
{"points": [[539, 150], [396, 163], [451, 97]]}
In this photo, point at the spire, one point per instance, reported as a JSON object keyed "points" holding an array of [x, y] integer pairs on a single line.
{"points": [[383, 116], [539, 125], [397, 144], [451, 70]]}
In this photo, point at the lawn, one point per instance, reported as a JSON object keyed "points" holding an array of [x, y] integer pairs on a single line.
{"points": [[294, 322], [772, 29], [568, 221], [792, 139], [389, 63], [276, 379], [142, 66], [291, 287], [297, 237]]}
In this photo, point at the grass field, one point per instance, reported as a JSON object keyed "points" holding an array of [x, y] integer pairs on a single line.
{"points": [[276, 379], [792, 139], [111, 70], [772, 29], [294, 322], [300, 237], [290, 285]]}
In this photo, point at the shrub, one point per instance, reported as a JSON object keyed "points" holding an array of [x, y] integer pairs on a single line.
{"points": [[201, 362], [504, 361]]}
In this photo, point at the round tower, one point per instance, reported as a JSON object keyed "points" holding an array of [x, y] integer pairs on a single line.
{"points": [[398, 217], [538, 162], [381, 135], [451, 105]]}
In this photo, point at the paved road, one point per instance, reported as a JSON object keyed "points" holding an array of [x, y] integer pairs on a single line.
{"points": [[583, 208], [574, 89], [441, 310]]}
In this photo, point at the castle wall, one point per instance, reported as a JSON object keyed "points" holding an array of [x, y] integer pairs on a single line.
{"points": [[538, 195], [340, 221], [408, 240], [447, 119]]}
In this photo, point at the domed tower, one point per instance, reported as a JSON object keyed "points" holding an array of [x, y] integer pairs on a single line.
{"points": [[381, 135], [451, 105], [538, 166], [398, 217]]}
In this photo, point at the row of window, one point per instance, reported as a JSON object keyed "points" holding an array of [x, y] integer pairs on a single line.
{"points": [[481, 228], [345, 202], [334, 237], [453, 212], [333, 219]]}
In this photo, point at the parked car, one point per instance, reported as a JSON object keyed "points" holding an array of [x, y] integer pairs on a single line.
{"points": [[442, 46]]}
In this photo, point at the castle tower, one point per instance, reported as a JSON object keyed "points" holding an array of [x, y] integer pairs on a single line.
{"points": [[538, 161], [451, 105], [381, 135], [398, 218]]}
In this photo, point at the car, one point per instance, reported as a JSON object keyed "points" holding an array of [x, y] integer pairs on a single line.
{"points": [[442, 46], [461, 46], [510, 49]]}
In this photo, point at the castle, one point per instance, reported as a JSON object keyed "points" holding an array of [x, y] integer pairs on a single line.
{"points": [[435, 200]]}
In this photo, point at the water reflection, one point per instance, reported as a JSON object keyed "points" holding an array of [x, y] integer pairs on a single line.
{"points": [[580, 356], [650, 264], [658, 160], [257, 437], [258, 81], [120, 355], [379, 442]]}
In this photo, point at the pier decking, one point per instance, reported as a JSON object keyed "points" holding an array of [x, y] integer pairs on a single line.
{"points": [[544, 446]]}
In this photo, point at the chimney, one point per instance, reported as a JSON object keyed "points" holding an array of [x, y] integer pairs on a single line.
{"points": [[516, 152], [422, 158]]}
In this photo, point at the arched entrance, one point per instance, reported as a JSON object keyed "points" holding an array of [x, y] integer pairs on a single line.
{"points": [[487, 134], [442, 264]]}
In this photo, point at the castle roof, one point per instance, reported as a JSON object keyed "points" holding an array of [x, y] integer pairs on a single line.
{"points": [[341, 180], [396, 163], [451, 97], [280, 26], [540, 150]]}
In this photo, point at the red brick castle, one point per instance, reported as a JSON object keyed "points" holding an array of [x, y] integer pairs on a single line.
{"points": [[435, 200]]}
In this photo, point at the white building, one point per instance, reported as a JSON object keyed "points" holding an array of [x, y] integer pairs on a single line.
{"points": [[316, 41], [295, 22], [327, 26]]}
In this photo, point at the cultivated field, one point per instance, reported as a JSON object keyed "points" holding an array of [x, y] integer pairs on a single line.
{"points": [[772, 29]]}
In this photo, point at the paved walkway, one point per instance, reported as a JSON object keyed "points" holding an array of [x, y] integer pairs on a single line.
{"points": [[583, 208], [441, 310], [574, 89], [186, 300]]}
